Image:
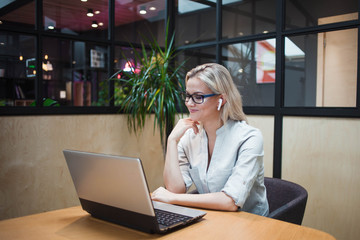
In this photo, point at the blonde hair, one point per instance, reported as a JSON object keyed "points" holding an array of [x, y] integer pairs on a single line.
{"points": [[219, 80]]}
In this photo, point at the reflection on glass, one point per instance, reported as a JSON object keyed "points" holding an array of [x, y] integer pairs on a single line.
{"points": [[195, 21], [252, 66], [17, 14], [241, 18], [134, 19], [125, 60], [310, 13], [73, 71], [89, 19], [319, 74], [17, 69]]}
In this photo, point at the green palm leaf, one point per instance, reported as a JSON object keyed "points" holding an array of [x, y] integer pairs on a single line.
{"points": [[155, 89]]}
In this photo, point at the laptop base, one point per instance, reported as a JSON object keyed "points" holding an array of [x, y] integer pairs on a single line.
{"points": [[119, 216]]}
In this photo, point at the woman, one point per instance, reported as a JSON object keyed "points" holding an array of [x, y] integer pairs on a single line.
{"points": [[214, 149]]}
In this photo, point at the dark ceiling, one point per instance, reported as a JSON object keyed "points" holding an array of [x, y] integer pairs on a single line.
{"points": [[72, 14]]}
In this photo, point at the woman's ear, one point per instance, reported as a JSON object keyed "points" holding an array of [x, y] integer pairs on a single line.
{"points": [[221, 102]]}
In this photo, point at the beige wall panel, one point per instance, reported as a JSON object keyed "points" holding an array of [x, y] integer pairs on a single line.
{"points": [[323, 155], [266, 126], [337, 64], [33, 173]]}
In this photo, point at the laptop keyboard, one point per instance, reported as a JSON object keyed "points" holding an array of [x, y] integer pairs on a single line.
{"points": [[168, 218]]}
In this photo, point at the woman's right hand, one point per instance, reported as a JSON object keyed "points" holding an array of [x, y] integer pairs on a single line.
{"points": [[173, 178], [181, 127]]}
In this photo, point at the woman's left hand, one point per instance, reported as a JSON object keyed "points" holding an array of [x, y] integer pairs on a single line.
{"points": [[163, 195]]}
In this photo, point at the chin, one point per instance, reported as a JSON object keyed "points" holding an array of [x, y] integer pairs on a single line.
{"points": [[194, 117]]}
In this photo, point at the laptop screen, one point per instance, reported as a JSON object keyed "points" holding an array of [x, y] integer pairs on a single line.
{"points": [[111, 180]]}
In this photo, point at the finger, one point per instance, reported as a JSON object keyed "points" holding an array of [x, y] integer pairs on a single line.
{"points": [[195, 128]]}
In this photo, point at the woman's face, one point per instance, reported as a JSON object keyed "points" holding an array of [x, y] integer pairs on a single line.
{"points": [[208, 109]]}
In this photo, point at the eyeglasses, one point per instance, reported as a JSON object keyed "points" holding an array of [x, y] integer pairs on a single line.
{"points": [[197, 98]]}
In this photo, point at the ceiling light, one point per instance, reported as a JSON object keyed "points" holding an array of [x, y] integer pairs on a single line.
{"points": [[1, 22], [94, 24], [90, 13], [62, 94], [84, 0], [101, 24], [142, 10], [152, 8], [97, 12], [51, 27]]}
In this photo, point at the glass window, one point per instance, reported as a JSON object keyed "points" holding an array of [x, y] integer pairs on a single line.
{"points": [[89, 19], [17, 69], [240, 18], [73, 71], [17, 14], [195, 57], [252, 66], [137, 19], [195, 21], [321, 69], [308, 13]]}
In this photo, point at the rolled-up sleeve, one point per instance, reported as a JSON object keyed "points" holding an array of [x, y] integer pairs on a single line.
{"points": [[184, 165], [246, 170]]}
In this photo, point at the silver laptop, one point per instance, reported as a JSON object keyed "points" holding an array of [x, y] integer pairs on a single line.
{"points": [[114, 189]]}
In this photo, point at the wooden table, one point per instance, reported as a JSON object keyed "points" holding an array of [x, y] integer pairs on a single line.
{"points": [[74, 223]]}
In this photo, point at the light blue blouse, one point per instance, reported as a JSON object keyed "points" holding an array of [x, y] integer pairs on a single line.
{"points": [[236, 166]]}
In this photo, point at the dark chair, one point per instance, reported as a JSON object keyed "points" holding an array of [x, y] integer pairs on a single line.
{"points": [[287, 200]]}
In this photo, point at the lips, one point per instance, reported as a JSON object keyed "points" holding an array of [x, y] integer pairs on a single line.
{"points": [[193, 110]]}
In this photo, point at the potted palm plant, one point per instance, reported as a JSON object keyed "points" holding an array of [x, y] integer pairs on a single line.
{"points": [[154, 85]]}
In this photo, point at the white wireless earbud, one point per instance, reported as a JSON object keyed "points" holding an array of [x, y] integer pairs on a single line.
{"points": [[219, 106]]}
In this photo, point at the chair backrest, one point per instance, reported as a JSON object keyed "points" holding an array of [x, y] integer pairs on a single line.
{"points": [[287, 200]]}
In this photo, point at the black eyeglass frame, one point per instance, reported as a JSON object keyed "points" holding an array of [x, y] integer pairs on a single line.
{"points": [[188, 96]]}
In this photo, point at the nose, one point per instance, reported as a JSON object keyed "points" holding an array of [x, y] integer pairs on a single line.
{"points": [[190, 102]]}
